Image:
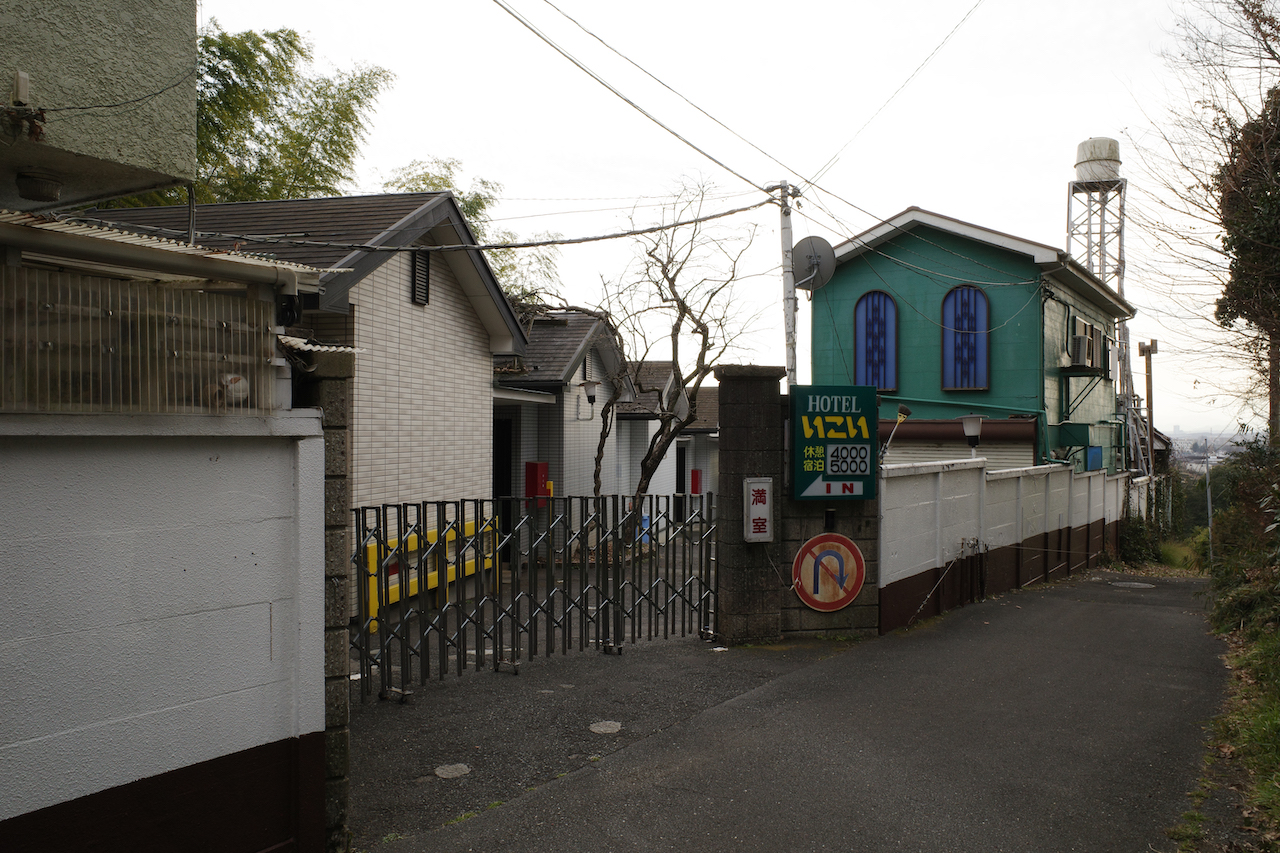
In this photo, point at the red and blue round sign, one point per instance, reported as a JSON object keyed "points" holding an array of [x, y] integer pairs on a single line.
{"points": [[828, 572]]}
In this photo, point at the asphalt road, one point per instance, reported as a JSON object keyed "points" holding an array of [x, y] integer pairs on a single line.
{"points": [[1062, 718]]}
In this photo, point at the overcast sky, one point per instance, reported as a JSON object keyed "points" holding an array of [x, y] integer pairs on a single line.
{"points": [[986, 131]]}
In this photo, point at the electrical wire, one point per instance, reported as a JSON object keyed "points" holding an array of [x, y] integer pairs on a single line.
{"points": [[558, 49], [836, 157], [298, 241], [664, 85], [807, 182], [188, 75]]}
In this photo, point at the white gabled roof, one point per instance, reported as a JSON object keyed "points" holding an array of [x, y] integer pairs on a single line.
{"points": [[1052, 262]]}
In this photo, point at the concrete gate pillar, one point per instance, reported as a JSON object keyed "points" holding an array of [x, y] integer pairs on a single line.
{"points": [[328, 387], [756, 602], [749, 602]]}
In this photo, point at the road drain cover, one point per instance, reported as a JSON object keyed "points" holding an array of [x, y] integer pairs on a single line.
{"points": [[1133, 585]]}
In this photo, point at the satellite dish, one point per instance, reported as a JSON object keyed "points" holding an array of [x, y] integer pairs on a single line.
{"points": [[813, 261]]}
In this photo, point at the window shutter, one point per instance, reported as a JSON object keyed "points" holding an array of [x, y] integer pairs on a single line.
{"points": [[419, 284]]}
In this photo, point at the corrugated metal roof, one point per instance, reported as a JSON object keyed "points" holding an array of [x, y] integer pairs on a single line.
{"points": [[348, 237], [103, 232]]}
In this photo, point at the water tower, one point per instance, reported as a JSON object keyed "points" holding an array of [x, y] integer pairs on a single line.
{"points": [[1095, 238]]}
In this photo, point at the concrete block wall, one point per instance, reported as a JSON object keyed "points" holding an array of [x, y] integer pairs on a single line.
{"points": [[329, 386]]}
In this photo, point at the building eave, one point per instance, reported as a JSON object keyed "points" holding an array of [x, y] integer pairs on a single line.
{"points": [[1050, 260]]}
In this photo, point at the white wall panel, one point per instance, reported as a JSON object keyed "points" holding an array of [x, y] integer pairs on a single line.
{"points": [[164, 604], [928, 509]]}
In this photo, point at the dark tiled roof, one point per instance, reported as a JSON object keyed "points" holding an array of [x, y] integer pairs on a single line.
{"points": [[708, 409], [556, 342], [651, 377], [345, 221]]}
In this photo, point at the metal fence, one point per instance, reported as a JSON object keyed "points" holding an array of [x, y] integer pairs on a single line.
{"points": [[453, 585]]}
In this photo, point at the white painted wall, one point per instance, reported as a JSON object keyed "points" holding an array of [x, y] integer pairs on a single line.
{"points": [[422, 422], [930, 509], [164, 595], [581, 431]]}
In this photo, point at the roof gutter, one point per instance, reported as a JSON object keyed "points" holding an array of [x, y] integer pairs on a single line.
{"points": [[143, 258]]}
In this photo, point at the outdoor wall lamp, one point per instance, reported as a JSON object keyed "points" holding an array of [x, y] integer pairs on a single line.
{"points": [[903, 413], [972, 425], [590, 387]]}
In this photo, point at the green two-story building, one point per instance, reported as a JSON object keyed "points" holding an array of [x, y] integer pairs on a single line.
{"points": [[950, 319]]}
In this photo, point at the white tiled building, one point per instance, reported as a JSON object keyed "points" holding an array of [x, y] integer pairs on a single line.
{"points": [[553, 403]]}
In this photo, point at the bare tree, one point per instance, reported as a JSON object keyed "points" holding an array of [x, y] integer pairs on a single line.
{"points": [[1228, 64], [676, 302]]}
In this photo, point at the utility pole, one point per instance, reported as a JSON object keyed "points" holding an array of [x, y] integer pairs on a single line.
{"points": [[1208, 499], [786, 193], [1148, 350]]}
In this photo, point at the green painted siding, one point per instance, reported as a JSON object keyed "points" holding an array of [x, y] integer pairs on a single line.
{"points": [[898, 267], [1029, 342], [1086, 400]]}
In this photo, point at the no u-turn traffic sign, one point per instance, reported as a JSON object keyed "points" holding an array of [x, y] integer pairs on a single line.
{"points": [[828, 572]]}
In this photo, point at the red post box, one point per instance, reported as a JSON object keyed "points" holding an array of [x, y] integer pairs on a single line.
{"points": [[535, 481]]}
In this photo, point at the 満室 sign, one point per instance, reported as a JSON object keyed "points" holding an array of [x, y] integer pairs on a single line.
{"points": [[757, 509], [834, 436]]}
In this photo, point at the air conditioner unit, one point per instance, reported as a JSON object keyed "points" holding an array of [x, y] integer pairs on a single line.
{"points": [[1081, 351]]}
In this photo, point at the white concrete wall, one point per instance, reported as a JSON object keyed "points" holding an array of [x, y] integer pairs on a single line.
{"points": [[422, 423], [581, 431], [163, 596], [704, 456], [930, 509]]}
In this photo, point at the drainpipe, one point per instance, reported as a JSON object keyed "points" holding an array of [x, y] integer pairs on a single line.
{"points": [[1044, 408]]}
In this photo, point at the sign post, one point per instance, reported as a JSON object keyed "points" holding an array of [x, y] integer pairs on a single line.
{"points": [[834, 436]]}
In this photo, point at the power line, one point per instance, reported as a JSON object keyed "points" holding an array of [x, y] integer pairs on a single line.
{"points": [[827, 167], [550, 43], [664, 85], [811, 182], [325, 244]]}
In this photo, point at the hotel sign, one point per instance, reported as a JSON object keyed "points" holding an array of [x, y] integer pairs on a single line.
{"points": [[834, 441]]}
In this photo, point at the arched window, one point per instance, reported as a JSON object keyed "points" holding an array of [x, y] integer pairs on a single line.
{"points": [[965, 324], [875, 336]]}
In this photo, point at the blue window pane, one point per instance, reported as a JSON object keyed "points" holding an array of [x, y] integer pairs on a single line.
{"points": [[964, 339], [876, 341]]}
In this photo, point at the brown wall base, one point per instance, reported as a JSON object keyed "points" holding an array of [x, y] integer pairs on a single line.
{"points": [[1045, 556], [270, 798]]}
